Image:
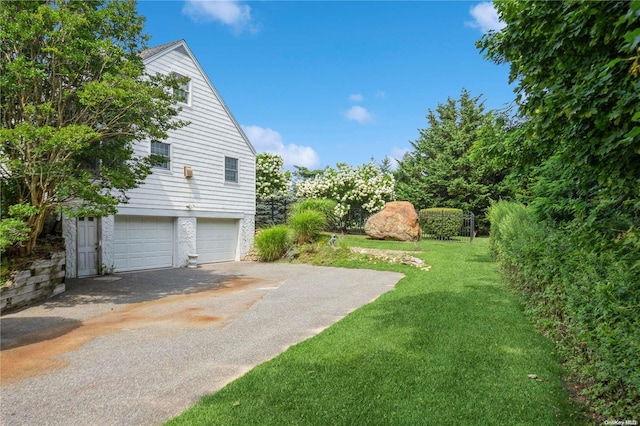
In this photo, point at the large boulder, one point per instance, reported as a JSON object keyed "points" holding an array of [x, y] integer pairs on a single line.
{"points": [[397, 221]]}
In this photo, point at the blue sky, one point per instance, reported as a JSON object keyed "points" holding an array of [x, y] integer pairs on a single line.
{"points": [[322, 82]]}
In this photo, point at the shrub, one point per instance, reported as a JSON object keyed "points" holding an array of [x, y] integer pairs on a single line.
{"points": [[582, 296], [496, 214], [272, 243], [307, 225], [441, 223], [325, 206], [14, 229]]}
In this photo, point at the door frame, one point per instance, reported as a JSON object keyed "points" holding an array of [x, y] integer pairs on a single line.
{"points": [[98, 246]]}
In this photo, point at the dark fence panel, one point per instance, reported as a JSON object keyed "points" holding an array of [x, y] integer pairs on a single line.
{"points": [[448, 226], [275, 212], [355, 220], [272, 212]]}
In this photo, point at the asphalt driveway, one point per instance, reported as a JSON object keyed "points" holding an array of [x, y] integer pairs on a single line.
{"points": [[139, 348]]}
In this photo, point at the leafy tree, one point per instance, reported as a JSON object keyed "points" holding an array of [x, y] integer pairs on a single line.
{"points": [[271, 179], [440, 172], [74, 98], [577, 74]]}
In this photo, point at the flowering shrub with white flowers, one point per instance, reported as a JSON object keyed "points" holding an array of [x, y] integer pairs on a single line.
{"points": [[271, 180], [365, 186]]}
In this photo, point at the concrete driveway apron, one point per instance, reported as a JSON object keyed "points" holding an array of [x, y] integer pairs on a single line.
{"points": [[139, 348]]}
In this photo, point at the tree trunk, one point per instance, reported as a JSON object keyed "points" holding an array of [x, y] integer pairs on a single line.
{"points": [[36, 223]]}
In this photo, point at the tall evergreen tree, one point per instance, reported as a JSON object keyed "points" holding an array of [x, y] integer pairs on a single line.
{"points": [[302, 173], [503, 154], [440, 172], [386, 165]]}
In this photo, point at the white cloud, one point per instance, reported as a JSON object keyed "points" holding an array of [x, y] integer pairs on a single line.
{"points": [[381, 94], [359, 114], [233, 13], [356, 97], [269, 140], [397, 154], [485, 18]]}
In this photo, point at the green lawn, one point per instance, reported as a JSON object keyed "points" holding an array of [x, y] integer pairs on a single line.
{"points": [[447, 346]]}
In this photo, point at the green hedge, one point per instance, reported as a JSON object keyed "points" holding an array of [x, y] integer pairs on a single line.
{"points": [[441, 223], [584, 297]]}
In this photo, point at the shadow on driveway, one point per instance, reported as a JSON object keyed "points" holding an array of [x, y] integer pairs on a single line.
{"points": [[136, 287], [87, 297], [36, 329]]}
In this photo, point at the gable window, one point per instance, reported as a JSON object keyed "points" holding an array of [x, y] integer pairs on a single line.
{"points": [[183, 92], [164, 150], [230, 169]]}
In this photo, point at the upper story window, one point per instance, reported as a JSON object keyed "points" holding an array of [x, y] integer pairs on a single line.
{"points": [[91, 165], [164, 150], [183, 93], [230, 169], [93, 158]]}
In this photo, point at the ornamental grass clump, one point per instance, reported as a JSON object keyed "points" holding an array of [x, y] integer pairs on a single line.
{"points": [[325, 206], [272, 243], [307, 225]]}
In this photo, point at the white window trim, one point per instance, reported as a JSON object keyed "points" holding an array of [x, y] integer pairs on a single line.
{"points": [[237, 181], [188, 88], [161, 168]]}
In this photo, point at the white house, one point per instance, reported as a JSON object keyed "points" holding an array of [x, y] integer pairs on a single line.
{"points": [[201, 201]]}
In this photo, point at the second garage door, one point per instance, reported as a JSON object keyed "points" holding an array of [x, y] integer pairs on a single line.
{"points": [[142, 242], [216, 240]]}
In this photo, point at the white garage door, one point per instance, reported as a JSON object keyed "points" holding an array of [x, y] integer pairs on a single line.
{"points": [[142, 242], [216, 240]]}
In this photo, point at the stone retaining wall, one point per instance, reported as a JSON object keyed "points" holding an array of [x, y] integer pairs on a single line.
{"points": [[43, 279]]}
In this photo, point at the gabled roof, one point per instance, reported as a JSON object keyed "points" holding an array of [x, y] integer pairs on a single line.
{"points": [[153, 53], [147, 53]]}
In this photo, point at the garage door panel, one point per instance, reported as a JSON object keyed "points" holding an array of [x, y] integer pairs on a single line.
{"points": [[216, 240], [164, 247], [134, 248], [143, 242], [149, 234], [133, 262]]}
